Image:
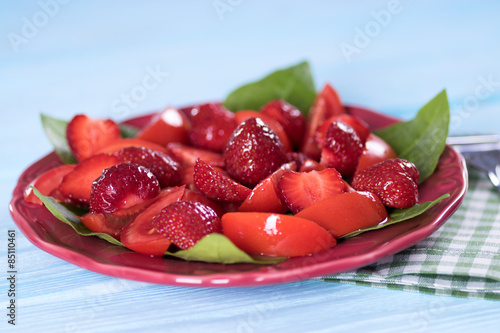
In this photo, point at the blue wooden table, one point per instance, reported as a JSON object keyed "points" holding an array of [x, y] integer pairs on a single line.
{"points": [[120, 59]]}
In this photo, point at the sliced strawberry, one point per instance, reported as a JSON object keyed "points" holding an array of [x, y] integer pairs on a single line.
{"points": [[48, 184], [216, 186], [327, 104], [311, 165], [375, 151], [184, 223], [264, 196], [140, 234], [253, 152], [165, 168], [187, 155], [170, 125], [342, 148], [358, 125], [86, 135], [77, 184], [394, 181], [195, 195], [298, 157], [211, 127], [122, 186], [116, 145], [299, 190], [273, 123], [292, 120]]}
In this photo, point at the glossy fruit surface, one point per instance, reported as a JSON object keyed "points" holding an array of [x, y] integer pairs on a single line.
{"points": [[170, 125], [275, 234], [48, 184], [346, 212]]}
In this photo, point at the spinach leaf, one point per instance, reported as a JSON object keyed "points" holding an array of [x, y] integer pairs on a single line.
{"points": [[422, 139], [65, 215], [218, 248], [400, 215], [55, 129], [294, 85]]}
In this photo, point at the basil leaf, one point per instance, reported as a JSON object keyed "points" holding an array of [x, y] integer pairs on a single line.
{"points": [[400, 215], [128, 131], [65, 215], [422, 139], [55, 130], [294, 85], [218, 248]]}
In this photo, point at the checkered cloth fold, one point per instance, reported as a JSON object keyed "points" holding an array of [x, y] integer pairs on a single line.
{"points": [[462, 258]]}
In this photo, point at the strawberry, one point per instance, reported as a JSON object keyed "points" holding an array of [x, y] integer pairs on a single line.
{"points": [[184, 223], [216, 186], [394, 181], [211, 126], [188, 155], [292, 120], [86, 135], [358, 125], [48, 184], [326, 105], [297, 157], [165, 168], [299, 190], [77, 184], [170, 125], [253, 152], [342, 148], [122, 186]]}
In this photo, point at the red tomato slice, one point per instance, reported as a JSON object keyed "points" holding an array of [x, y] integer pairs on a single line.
{"points": [[48, 184], [169, 125], [264, 197], [327, 104], [346, 212], [376, 150], [139, 235], [275, 234]]}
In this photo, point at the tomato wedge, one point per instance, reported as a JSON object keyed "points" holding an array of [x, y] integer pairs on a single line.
{"points": [[275, 234], [48, 184]]}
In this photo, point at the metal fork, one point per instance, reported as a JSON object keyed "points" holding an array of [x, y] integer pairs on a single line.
{"points": [[481, 152]]}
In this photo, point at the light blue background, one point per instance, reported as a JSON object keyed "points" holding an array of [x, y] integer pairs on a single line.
{"points": [[83, 56]]}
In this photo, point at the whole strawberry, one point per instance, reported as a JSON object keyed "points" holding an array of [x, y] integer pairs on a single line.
{"points": [[184, 223], [211, 126], [167, 170], [394, 181], [342, 148], [122, 186], [253, 152], [292, 120]]}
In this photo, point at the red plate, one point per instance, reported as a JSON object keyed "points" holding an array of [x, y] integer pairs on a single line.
{"points": [[97, 255]]}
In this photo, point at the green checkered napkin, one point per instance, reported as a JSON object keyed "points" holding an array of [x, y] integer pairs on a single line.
{"points": [[462, 258]]}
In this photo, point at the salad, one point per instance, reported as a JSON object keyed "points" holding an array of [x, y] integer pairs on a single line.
{"points": [[277, 170]]}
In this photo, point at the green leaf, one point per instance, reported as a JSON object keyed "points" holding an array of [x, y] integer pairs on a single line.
{"points": [[400, 215], [128, 131], [67, 216], [55, 129], [294, 85], [218, 248], [422, 139]]}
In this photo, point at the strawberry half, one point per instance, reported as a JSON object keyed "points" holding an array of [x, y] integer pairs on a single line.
{"points": [[184, 223], [358, 125], [292, 120], [211, 126], [165, 168], [77, 184], [188, 155], [86, 135], [253, 152], [394, 181], [122, 186], [217, 186], [299, 190], [342, 148]]}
